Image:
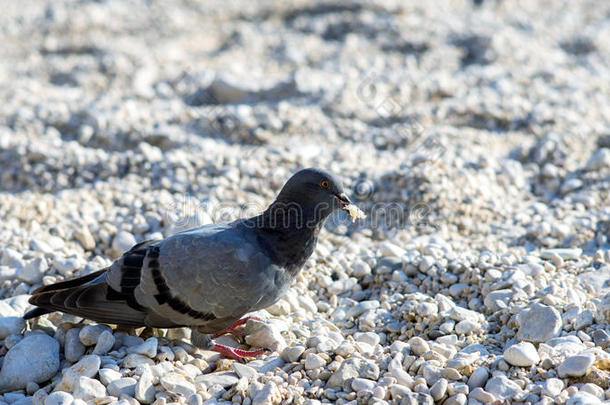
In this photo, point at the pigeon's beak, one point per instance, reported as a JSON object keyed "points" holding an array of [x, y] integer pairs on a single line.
{"points": [[343, 200]]}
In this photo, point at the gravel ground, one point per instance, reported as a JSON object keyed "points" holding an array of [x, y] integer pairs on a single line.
{"points": [[475, 136]]}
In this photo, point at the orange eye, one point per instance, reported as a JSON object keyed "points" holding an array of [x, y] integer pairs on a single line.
{"points": [[325, 184]]}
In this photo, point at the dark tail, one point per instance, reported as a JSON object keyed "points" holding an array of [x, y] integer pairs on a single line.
{"points": [[41, 296], [36, 312]]}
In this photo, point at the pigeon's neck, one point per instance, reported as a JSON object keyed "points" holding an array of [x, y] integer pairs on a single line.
{"points": [[289, 233]]}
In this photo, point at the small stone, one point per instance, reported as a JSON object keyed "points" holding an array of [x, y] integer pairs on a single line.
{"points": [[370, 338], [244, 371], [345, 349], [35, 358], [87, 389], [563, 253], [399, 346], [122, 386], [195, 399], [177, 384], [418, 345], [402, 377], [59, 398], [31, 388], [522, 355], [459, 314], [268, 337], [465, 327], [11, 325], [352, 368], [538, 323], [457, 399], [575, 366], [136, 360], [341, 286], [281, 307], [601, 338], [439, 389], [593, 389], [33, 271], [312, 361], [108, 375], [148, 348], [583, 320], [87, 366], [498, 299], [90, 333], [388, 249], [478, 378], [84, 237], [452, 374], [307, 303], [432, 373], [552, 387], [360, 308], [105, 341], [360, 268], [599, 159], [123, 241], [67, 266], [39, 397], [398, 391], [269, 364], [8, 273], [502, 388], [362, 384], [222, 378], [292, 353], [269, 394], [145, 390], [73, 348], [379, 392], [13, 397], [583, 398], [481, 395]]}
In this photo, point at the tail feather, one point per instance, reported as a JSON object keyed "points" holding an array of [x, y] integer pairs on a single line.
{"points": [[36, 312], [75, 282], [89, 297]]}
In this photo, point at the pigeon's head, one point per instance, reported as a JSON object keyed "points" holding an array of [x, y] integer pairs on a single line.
{"points": [[315, 189]]}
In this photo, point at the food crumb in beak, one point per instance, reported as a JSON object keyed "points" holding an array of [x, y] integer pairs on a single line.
{"points": [[354, 212]]}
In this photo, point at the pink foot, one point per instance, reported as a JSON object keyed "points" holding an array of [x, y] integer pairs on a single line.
{"points": [[233, 328], [237, 354]]}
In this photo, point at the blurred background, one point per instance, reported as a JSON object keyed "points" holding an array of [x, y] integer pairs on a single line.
{"points": [[125, 120]]}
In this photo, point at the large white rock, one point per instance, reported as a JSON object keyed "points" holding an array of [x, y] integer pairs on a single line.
{"points": [[35, 358]]}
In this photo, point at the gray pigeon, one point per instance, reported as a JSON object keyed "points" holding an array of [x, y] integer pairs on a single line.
{"points": [[207, 277]]}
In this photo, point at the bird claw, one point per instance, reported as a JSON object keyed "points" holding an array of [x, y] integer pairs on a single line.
{"points": [[233, 329], [236, 354]]}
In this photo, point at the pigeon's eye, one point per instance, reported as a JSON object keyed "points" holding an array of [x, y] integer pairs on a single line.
{"points": [[325, 184]]}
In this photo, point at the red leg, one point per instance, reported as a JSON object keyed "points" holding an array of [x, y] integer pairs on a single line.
{"points": [[237, 354], [233, 328]]}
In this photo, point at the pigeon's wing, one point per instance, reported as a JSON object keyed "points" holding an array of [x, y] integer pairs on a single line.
{"points": [[208, 276]]}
